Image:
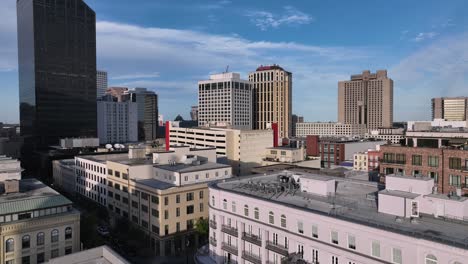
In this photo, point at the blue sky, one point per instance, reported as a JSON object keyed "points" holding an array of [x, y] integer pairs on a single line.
{"points": [[167, 46]]}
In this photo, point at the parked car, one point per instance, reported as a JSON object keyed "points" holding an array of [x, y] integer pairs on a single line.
{"points": [[103, 230]]}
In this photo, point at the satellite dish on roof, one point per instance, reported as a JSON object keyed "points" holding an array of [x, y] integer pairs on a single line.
{"points": [[108, 146], [116, 146]]}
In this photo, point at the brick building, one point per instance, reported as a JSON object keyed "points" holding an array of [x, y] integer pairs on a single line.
{"points": [[447, 166]]}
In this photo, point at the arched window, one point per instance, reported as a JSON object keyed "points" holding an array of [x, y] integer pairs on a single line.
{"points": [[10, 245], [256, 213], [40, 239], [283, 221], [68, 233], [431, 259], [233, 205], [225, 204], [54, 236], [271, 218], [246, 210], [25, 242]]}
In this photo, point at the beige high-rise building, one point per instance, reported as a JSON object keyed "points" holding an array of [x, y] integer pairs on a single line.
{"points": [[450, 108], [366, 99], [272, 102]]}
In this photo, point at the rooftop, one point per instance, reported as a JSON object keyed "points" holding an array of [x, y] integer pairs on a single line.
{"points": [[32, 195], [98, 255], [184, 168], [354, 201]]}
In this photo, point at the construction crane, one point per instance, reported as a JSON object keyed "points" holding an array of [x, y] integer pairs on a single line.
{"points": [[227, 69]]}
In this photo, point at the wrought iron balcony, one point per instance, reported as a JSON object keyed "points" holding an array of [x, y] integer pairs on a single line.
{"points": [[277, 248], [229, 230], [252, 258], [229, 248], [213, 241], [254, 239], [213, 224]]}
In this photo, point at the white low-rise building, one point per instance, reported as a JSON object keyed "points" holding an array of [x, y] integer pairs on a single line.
{"points": [[330, 129], [291, 217]]}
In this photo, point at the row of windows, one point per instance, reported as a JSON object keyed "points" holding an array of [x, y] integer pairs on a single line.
{"points": [[40, 239]]}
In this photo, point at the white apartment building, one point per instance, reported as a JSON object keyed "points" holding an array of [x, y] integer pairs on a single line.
{"points": [[330, 129], [225, 99], [117, 122], [10, 169], [242, 149], [64, 175], [101, 81], [291, 217]]}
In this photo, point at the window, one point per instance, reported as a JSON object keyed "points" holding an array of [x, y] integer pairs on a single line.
{"points": [[110, 172], [233, 206], [54, 236], [144, 224], [166, 200], [376, 249], [155, 199], [178, 227], [200, 195], [455, 163], [417, 160], [144, 208], [68, 250], [283, 221], [117, 174], [434, 175], [25, 260], [190, 209], [246, 210], [144, 196], [351, 242], [54, 253], [40, 257], [455, 180], [314, 231], [433, 161], [135, 204], [190, 224], [125, 176], [125, 200], [334, 237], [271, 218], [155, 213], [177, 212], [225, 204], [201, 207], [25, 242], [212, 201], [68, 233], [300, 227], [177, 198], [431, 259], [155, 229], [190, 196], [166, 214], [40, 239], [256, 213], [396, 256], [10, 245]]}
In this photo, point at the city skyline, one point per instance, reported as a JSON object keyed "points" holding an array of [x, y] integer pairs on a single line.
{"points": [[142, 51]]}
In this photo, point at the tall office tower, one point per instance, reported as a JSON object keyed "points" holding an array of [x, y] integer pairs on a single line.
{"points": [[450, 108], [296, 119], [366, 99], [117, 121], [194, 113], [147, 103], [225, 99], [101, 83], [57, 71], [272, 101]]}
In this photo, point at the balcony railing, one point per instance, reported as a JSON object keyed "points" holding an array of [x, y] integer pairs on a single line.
{"points": [[399, 162], [277, 248], [213, 224], [252, 258], [213, 241], [254, 239], [229, 248], [229, 230]]}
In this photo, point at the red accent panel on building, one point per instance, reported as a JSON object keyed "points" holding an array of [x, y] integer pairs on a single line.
{"points": [[168, 128], [312, 145], [274, 126]]}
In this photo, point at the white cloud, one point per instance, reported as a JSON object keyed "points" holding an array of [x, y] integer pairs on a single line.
{"points": [[291, 16], [424, 36], [135, 76]]}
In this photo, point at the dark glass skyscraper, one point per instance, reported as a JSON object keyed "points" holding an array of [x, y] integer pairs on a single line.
{"points": [[57, 70]]}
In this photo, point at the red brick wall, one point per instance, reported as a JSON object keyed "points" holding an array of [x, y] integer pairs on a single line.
{"points": [[312, 145]]}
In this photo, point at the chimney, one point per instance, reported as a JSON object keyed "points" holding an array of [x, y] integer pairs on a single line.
{"points": [[11, 186], [168, 129]]}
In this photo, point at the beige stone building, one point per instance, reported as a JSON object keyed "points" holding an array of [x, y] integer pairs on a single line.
{"points": [[450, 108], [360, 161], [272, 87], [36, 223], [284, 155], [366, 99], [242, 149]]}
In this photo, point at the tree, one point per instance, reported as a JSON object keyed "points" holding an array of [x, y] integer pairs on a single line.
{"points": [[202, 226], [179, 118]]}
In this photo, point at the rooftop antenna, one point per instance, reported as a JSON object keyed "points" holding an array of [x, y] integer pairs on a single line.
{"points": [[227, 69]]}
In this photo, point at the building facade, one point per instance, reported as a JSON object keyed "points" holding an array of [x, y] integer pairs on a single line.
{"points": [[147, 102], [102, 254], [296, 220], [225, 99], [242, 149], [101, 83], [361, 161], [450, 108], [272, 101], [64, 175], [330, 129], [117, 122], [294, 120], [366, 99], [37, 223], [57, 71], [194, 113]]}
